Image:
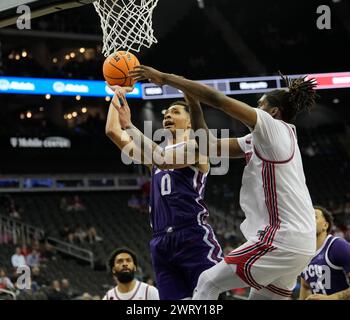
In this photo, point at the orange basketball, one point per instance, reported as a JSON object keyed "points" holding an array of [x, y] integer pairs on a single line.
{"points": [[117, 66]]}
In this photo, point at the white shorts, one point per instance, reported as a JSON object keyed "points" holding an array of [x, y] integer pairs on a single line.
{"points": [[265, 266]]}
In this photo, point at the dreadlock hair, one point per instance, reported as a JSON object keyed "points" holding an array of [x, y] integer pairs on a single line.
{"points": [[118, 251], [327, 216], [301, 95]]}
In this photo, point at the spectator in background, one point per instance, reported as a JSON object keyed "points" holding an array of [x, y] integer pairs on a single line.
{"points": [[80, 234], [38, 278], [33, 259], [49, 252], [64, 205], [78, 204], [25, 250], [55, 292], [5, 282], [67, 233], [17, 259], [13, 212], [67, 289], [36, 245], [92, 235]]}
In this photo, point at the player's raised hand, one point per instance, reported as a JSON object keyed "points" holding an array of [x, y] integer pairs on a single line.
{"points": [[147, 73], [121, 105]]}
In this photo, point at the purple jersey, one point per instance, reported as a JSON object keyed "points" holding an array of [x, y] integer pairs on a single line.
{"points": [[177, 198], [327, 273]]}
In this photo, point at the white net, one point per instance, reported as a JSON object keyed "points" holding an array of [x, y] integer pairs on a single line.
{"points": [[126, 24]]}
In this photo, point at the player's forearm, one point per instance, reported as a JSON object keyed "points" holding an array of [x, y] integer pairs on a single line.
{"points": [[342, 295], [149, 149], [197, 90], [196, 115], [198, 122], [113, 129], [235, 108]]}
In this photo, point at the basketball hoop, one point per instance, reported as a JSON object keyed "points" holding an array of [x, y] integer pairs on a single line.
{"points": [[126, 24]]}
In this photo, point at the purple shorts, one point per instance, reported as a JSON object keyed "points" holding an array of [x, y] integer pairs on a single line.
{"points": [[179, 257]]}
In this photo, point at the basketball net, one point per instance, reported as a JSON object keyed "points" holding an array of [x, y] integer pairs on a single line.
{"points": [[126, 24]]}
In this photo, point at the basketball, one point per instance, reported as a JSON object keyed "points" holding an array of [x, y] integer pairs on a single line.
{"points": [[117, 66]]}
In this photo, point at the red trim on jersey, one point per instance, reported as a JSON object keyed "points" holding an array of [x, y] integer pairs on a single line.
{"points": [[269, 185], [244, 260], [284, 161], [245, 250], [279, 291], [278, 220], [248, 265]]}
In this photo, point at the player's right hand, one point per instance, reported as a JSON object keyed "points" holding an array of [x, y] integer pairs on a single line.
{"points": [[121, 105], [147, 73]]}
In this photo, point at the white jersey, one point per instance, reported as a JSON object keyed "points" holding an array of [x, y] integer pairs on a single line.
{"points": [[274, 195], [141, 291]]}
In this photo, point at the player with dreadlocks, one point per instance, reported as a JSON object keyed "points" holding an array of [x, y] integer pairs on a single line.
{"points": [[279, 220]]}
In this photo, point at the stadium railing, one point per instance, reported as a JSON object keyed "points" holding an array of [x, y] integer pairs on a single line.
{"points": [[7, 292]]}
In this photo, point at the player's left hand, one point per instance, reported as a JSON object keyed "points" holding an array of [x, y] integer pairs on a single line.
{"points": [[320, 297], [147, 73], [121, 105]]}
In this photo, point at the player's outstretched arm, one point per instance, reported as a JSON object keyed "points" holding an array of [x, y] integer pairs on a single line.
{"points": [[182, 156], [235, 108], [120, 137], [198, 122]]}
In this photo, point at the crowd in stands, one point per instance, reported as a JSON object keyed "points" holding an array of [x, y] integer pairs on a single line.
{"points": [[13, 210], [77, 233], [35, 258]]}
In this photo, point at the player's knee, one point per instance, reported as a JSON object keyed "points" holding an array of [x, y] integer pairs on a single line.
{"points": [[204, 280]]}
